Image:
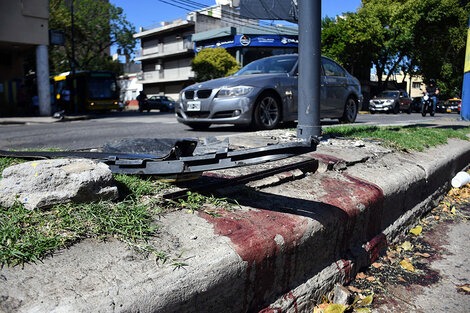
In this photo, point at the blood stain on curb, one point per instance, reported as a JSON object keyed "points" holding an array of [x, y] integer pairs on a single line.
{"points": [[259, 237], [360, 200]]}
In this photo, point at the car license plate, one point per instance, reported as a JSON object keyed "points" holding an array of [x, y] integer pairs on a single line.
{"points": [[194, 106]]}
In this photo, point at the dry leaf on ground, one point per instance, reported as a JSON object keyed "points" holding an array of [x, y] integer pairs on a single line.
{"points": [[377, 265], [407, 265], [354, 289], [360, 275], [407, 246], [465, 288], [424, 255], [417, 230]]}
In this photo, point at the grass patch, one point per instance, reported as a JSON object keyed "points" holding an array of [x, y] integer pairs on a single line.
{"points": [[30, 235], [402, 138]]}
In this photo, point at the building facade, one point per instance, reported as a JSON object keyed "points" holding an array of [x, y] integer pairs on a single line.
{"points": [[24, 36], [249, 43], [167, 50]]}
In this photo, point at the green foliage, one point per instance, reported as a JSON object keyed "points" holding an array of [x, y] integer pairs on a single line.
{"points": [[97, 26], [29, 235], [135, 187], [214, 63], [418, 37], [402, 138]]}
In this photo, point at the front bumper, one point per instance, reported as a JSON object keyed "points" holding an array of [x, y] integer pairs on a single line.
{"points": [[448, 109], [380, 107], [237, 111]]}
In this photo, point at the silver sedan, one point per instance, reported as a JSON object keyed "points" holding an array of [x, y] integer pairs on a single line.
{"points": [[264, 94]]}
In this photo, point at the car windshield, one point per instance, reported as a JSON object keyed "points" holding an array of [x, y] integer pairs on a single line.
{"points": [[269, 65], [388, 94]]}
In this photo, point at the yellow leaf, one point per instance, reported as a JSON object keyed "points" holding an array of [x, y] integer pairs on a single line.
{"points": [[407, 265], [453, 211], [336, 308], [407, 246], [320, 308], [190, 211], [466, 288], [417, 230], [366, 301], [362, 310]]}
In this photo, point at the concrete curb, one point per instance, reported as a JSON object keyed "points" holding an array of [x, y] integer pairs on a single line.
{"points": [[290, 240], [41, 119]]}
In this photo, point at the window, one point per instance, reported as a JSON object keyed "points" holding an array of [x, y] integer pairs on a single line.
{"points": [[332, 69], [416, 85]]}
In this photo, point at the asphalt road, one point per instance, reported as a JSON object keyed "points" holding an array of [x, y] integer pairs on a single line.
{"points": [[115, 126]]}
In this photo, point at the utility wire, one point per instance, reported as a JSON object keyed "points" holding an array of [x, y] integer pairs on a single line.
{"points": [[236, 19]]}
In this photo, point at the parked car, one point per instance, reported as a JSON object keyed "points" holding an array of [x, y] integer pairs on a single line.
{"points": [[391, 101], [264, 93], [162, 103], [450, 105]]}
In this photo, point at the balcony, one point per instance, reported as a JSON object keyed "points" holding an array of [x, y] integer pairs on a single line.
{"points": [[166, 50], [170, 75]]}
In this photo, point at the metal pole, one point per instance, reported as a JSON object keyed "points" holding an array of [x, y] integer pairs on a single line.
{"points": [[465, 109], [309, 69], [72, 64], [73, 93], [42, 75]]}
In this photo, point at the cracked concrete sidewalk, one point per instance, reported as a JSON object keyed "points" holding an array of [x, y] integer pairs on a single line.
{"points": [[294, 235]]}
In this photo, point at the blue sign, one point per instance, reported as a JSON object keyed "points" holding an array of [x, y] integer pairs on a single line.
{"points": [[250, 41]]}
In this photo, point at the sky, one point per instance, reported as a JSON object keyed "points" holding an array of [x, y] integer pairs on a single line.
{"points": [[143, 13]]}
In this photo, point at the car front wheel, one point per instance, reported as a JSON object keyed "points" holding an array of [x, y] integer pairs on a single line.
{"points": [[350, 111], [396, 108], [267, 113]]}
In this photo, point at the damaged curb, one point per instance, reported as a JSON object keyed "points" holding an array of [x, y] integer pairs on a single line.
{"points": [[289, 242]]}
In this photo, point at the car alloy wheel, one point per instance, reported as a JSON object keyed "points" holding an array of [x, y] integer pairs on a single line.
{"points": [[350, 111], [267, 112], [396, 108]]}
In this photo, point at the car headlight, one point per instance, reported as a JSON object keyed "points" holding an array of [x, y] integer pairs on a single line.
{"points": [[234, 91]]}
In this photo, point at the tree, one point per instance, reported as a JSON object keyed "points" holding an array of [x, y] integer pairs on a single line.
{"points": [[416, 37], [214, 63], [440, 35], [98, 25]]}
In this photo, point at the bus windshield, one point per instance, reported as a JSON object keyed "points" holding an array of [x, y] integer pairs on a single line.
{"points": [[102, 88]]}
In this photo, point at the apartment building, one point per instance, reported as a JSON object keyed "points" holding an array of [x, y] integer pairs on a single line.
{"points": [[167, 49]]}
